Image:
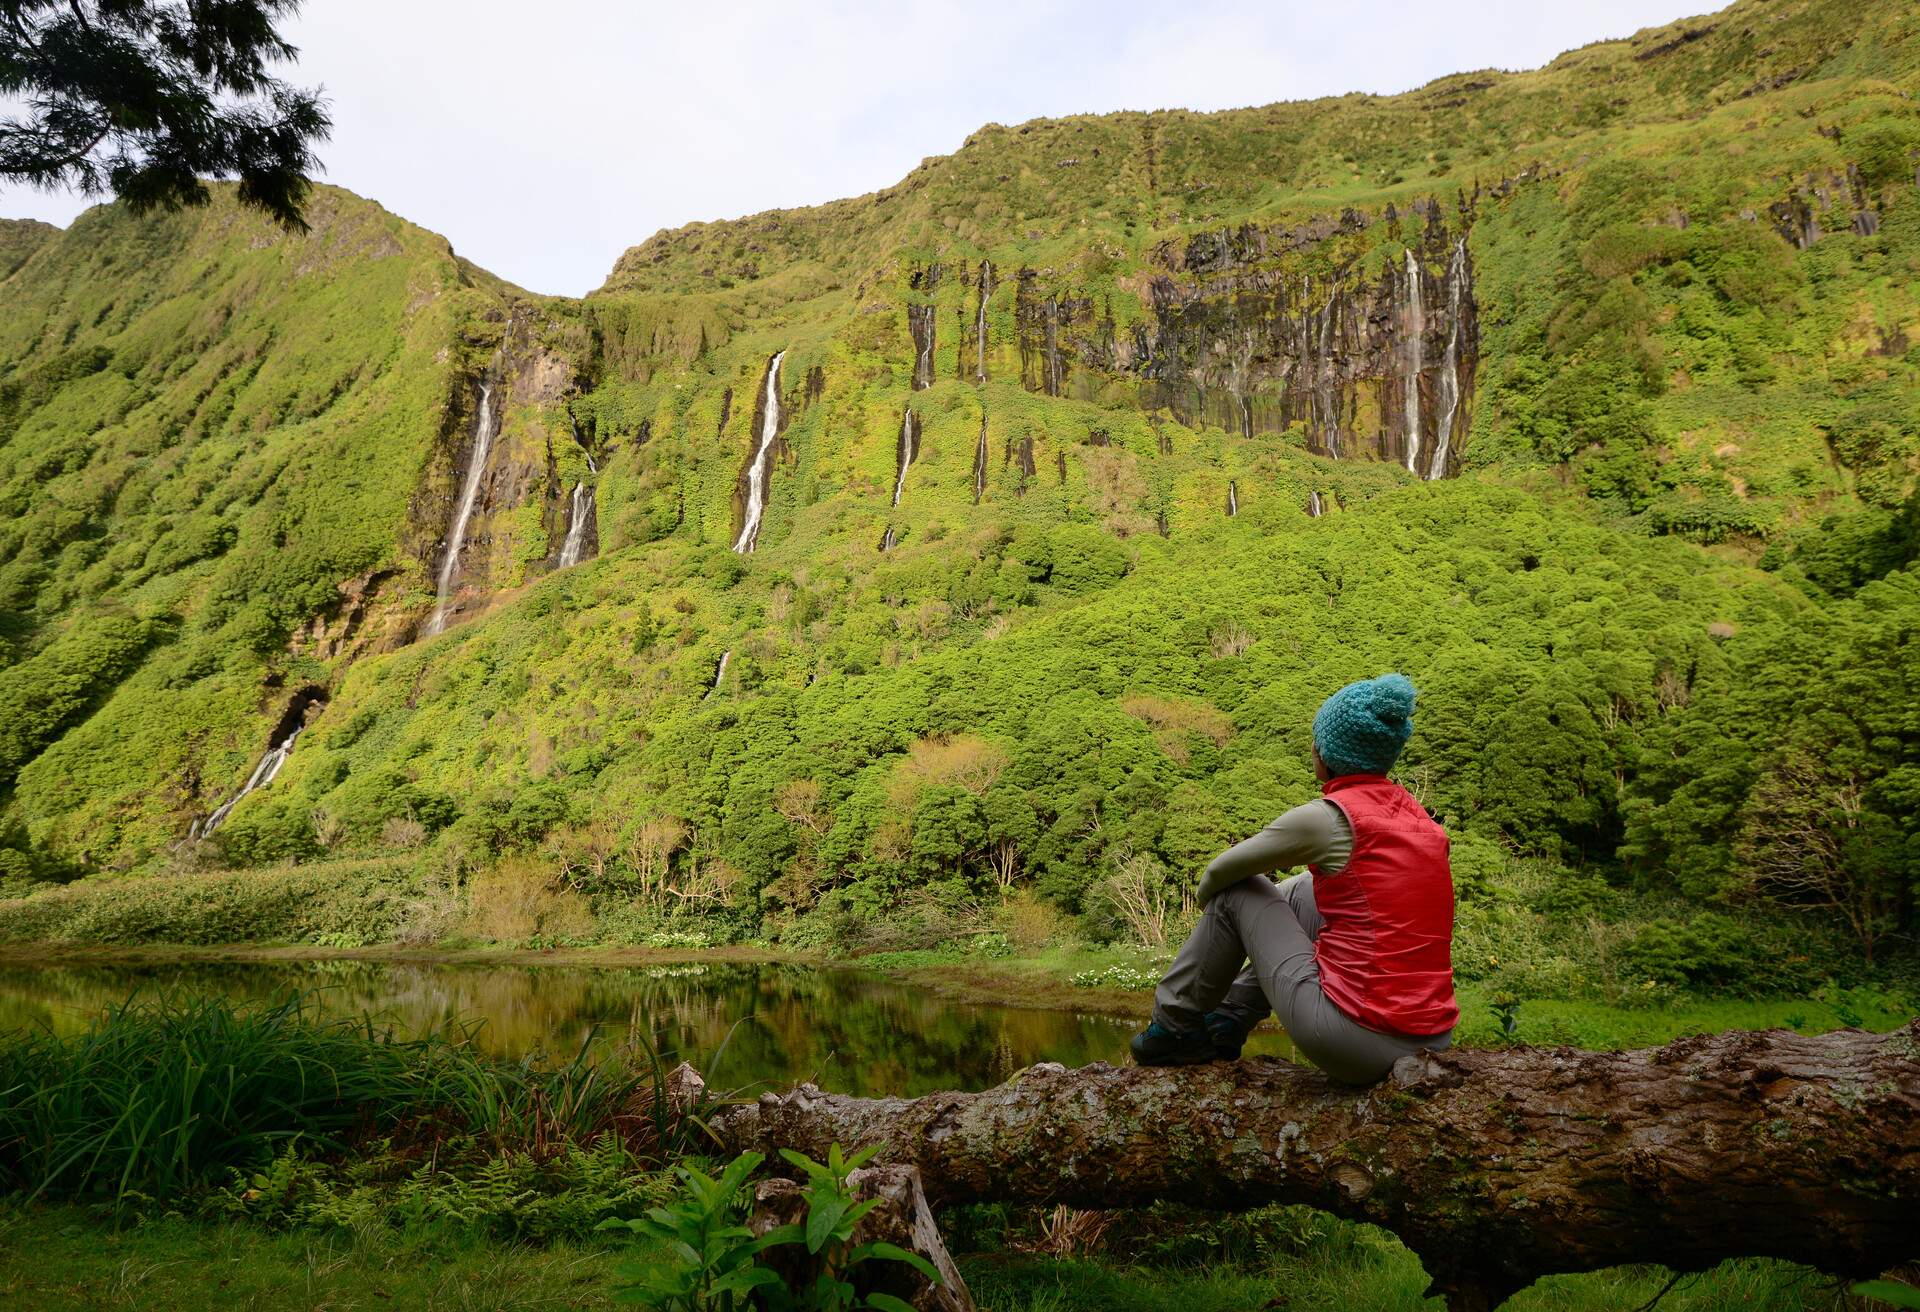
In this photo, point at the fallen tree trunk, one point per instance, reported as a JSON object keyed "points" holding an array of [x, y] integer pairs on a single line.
{"points": [[1495, 1166]]}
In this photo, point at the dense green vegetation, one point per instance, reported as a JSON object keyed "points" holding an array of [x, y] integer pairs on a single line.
{"points": [[1662, 624]]}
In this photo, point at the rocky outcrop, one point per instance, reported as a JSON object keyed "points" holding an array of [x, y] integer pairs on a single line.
{"points": [[1245, 334], [1822, 203], [503, 415], [368, 617]]}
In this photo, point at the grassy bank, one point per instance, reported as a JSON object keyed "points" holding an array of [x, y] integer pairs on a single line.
{"points": [[62, 1257], [201, 1155]]}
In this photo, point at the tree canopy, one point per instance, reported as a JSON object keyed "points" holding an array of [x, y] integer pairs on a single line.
{"points": [[147, 100]]}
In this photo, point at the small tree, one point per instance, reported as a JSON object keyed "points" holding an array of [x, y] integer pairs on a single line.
{"points": [[1799, 841], [1139, 894], [648, 853], [147, 98]]}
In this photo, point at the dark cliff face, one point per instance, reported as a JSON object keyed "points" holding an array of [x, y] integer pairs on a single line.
{"points": [[1263, 329], [920, 325], [522, 382]]}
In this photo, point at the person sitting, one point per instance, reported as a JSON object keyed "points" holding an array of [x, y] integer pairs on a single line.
{"points": [[1355, 956]]}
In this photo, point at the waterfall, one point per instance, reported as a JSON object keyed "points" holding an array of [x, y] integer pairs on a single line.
{"points": [[1416, 331], [1233, 499], [980, 327], [1329, 394], [920, 327], [1450, 364], [582, 515], [980, 463], [760, 472], [887, 539], [1315, 507], [904, 456], [262, 775], [486, 425], [720, 673]]}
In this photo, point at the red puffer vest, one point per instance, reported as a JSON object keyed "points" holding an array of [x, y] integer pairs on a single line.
{"points": [[1386, 954]]}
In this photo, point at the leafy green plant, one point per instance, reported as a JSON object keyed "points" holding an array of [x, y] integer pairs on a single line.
{"points": [[712, 1266], [715, 1264], [1890, 1292], [1506, 1014], [832, 1216]]}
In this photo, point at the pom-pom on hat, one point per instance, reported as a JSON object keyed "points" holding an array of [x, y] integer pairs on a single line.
{"points": [[1361, 728]]}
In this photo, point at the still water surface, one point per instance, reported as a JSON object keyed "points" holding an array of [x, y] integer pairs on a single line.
{"points": [[844, 1030]]}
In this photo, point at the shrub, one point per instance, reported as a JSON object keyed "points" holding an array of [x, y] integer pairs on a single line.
{"points": [[360, 901], [516, 901], [1708, 949]]}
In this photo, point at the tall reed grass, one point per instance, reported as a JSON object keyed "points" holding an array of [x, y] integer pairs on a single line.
{"points": [[161, 1095]]}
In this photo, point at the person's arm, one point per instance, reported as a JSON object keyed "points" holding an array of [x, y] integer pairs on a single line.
{"points": [[1314, 833]]}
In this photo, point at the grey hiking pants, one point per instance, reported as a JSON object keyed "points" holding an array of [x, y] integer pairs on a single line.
{"points": [[1270, 928]]}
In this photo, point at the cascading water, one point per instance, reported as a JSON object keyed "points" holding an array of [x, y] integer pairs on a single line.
{"points": [[576, 525], [920, 325], [903, 458], [721, 672], [887, 539], [980, 463], [1450, 363], [980, 326], [262, 775], [1416, 333], [760, 472], [1315, 507], [486, 426], [1327, 391], [1233, 499]]}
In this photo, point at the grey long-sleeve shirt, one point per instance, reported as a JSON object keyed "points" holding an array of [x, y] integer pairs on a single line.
{"points": [[1313, 833]]}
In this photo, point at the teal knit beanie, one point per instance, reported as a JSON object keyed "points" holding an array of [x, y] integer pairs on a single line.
{"points": [[1361, 728]]}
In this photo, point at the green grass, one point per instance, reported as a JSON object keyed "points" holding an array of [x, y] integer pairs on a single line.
{"points": [[163, 1096], [61, 1258]]}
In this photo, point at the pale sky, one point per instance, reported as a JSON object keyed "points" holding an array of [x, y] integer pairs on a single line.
{"points": [[544, 139]]}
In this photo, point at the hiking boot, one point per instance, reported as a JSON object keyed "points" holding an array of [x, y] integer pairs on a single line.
{"points": [[1228, 1034], [1159, 1046]]}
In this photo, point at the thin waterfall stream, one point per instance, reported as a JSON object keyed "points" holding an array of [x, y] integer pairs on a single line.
{"points": [[760, 472], [262, 775], [486, 426], [580, 519], [903, 457], [980, 462], [980, 325], [1450, 363], [1416, 332]]}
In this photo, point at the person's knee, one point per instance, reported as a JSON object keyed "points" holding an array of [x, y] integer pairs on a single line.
{"points": [[1234, 895], [1295, 885]]}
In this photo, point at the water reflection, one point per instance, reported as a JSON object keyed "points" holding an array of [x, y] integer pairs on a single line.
{"points": [[844, 1030]]}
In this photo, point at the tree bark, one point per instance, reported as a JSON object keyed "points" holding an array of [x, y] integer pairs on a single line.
{"points": [[1495, 1166]]}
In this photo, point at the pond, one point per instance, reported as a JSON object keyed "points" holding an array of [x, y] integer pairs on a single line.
{"points": [[770, 1025]]}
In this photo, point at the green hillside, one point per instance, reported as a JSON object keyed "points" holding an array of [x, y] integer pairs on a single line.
{"points": [[1589, 397]]}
